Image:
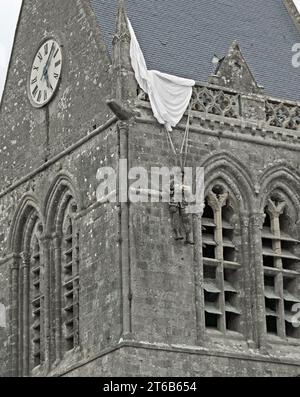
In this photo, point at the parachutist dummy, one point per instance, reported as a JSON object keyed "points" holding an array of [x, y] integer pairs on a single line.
{"points": [[180, 217]]}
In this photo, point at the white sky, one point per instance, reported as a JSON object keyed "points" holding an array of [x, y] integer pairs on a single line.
{"points": [[297, 4], [9, 12]]}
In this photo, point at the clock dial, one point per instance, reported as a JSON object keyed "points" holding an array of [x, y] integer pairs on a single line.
{"points": [[45, 73]]}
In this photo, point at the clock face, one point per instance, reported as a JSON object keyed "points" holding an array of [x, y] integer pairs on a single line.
{"points": [[45, 73]]}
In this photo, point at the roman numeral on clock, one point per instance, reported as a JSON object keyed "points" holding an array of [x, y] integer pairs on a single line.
{"points": [[56, 52], [40, 56], [36, 68], [45, 95], [57, 63], [39, 96], [34, 80], [56, 76], [46, 48], [34, 92]]}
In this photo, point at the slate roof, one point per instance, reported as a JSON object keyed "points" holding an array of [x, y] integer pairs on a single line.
{"points": [[181, 37]]}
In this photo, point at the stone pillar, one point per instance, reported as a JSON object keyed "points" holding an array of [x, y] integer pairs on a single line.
{"points": [[247, 286], [124, 82], [45, 242], [124, 234], [199, 277], [217, 202], [25, 266], [14, 265], [57, 241], [275, 210], [257, 274]]}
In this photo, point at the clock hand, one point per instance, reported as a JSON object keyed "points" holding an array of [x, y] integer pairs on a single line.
{"points": [[45, 70], [48, 82], [50, 57]]}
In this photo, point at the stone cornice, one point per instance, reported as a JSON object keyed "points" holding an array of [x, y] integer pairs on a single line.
{"points": [[236, 132]]}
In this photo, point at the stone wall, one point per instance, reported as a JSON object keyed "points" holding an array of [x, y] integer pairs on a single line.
{"points": [[143, 316], [30, 136]]}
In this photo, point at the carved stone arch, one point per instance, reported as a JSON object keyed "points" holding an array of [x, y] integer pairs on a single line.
{"points": [[27, 209], [279, 200], [27, 224], [284, 179], [225, 167], [32, 222], [61, 190], [234, 200], [61, 205], [283, 171]]}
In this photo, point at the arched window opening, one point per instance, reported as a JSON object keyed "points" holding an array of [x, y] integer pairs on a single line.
{"points": [[64, 254], [36, 296], [30, 292], [281, 262], [70, 279], [221, 268]]}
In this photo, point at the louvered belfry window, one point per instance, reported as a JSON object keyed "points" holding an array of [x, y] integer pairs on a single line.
{"points": [[70, 280], [221, 269], [37, 298], [31, 296], [281, 262]]}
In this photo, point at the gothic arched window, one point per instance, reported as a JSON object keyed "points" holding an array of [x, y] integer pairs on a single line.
{"points": [[66, 264], [281, 263], [36, 296], [70, 278], [31, 294], [220, 263]]}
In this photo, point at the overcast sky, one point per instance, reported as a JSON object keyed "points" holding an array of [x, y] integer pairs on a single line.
{"points": [[9, 12]]}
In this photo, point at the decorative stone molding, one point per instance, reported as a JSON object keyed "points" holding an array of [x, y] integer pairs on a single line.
{"points": [[217, 201], [283, 115], [258, 220], [261, 115], [215, 101], [275, 209], [224, 168]]}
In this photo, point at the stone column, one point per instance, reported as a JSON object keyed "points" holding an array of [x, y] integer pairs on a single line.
{"points": [[217, 202], [45, 242], [124, 234], [257, 275], [247, 285], [25, 266], [57, 242], [199, 277], [14, 266], [275, 210]]}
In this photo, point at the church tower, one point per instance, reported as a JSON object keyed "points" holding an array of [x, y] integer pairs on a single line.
{"points": [[90, 287]]}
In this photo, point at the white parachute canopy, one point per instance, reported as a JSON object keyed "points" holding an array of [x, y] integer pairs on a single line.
{"points": [[169, 95]]}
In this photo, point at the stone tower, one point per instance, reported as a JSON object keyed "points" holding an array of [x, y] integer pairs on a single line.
{"points": [[93, 288]]}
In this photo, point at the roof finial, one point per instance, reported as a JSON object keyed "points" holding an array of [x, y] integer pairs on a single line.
{"points": [[121, 25], [125, 86]]}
